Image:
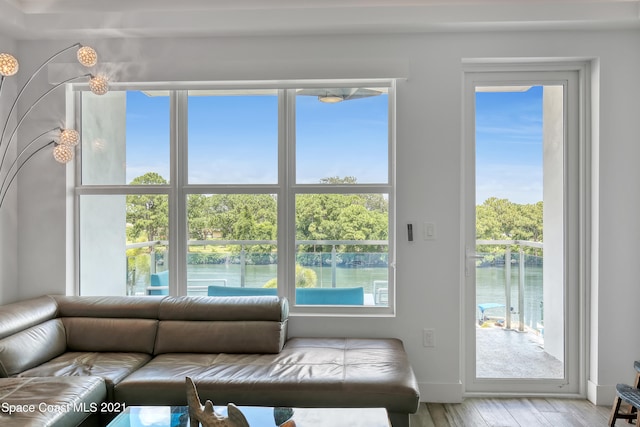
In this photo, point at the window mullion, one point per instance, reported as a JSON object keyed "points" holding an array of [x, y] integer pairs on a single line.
{"points": [[392, 199], [177, 216], [286, 205]]}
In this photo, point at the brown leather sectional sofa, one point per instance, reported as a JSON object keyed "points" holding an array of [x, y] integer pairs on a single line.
{"points": [[69, 361]]}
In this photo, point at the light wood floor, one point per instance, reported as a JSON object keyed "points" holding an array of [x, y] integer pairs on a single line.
{"points": [[513, 412]]}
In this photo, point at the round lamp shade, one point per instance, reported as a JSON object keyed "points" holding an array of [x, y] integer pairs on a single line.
{"points": [[8, 65], [69, 137], [99, 85], [62, 153], [87, 56]]}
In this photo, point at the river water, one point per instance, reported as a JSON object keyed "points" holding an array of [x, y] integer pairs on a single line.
{"points": [[490, 288], [490, 283], [258, 275]]}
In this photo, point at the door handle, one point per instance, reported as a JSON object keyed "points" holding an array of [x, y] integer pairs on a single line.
{"points": [[470, 255]]}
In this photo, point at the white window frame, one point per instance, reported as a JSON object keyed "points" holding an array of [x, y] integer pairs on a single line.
{"points": [[286, 188]]}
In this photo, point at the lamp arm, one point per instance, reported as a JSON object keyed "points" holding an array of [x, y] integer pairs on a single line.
{"points": [[44, 64], [1, 82], [24, 116], [21, 152], [15, 174]]}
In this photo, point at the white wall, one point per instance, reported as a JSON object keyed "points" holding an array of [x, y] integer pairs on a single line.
{"points": [[429, 175], [8, 217]]}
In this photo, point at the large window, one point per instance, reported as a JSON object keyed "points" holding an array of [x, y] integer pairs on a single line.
{"points": [[245, 191]]}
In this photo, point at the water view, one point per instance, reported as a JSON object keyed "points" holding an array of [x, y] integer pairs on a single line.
{"points": [[257, 275], [366, 270], [490, 288]]}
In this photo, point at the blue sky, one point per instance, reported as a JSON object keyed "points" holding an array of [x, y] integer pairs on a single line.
{"points": [[233, 139], [509, 145], [148, 135]]}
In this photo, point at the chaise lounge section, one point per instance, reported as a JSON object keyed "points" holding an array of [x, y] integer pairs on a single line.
{"points": [[138, 350]]}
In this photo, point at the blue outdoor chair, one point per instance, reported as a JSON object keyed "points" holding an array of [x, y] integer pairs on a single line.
{"points": [[159, 280], [304, 296]]}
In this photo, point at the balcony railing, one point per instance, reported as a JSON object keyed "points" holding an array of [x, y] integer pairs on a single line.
{"points": [[331, 258], [531, 314]]}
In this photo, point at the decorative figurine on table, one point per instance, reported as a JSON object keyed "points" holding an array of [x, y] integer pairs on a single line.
{"points": [[207, 416], [282, 417]]}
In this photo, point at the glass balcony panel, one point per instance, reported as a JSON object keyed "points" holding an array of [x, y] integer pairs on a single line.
{"points": [[328, 274], [137, 223], [342, 249], [232, 246]]}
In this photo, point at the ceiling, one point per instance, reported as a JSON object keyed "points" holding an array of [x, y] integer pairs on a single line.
{"points": [[35, 19]]}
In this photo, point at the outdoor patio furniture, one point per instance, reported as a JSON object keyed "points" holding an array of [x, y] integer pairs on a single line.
{"points": [[304, 296], [159, 283], [487, 306]]}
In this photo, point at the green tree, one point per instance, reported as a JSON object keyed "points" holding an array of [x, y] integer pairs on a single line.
{"points": [[200, 226], [338, 180], [501, 219], [147, 214], [236, 217], [241, 216], [342, 217], [254, 217], [528, 225]]}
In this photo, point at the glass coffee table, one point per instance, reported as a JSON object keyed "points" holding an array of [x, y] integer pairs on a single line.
{"points": [[178, 416]]}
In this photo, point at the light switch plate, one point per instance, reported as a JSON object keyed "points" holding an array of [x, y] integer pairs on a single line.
{"points": [[429, 229]]}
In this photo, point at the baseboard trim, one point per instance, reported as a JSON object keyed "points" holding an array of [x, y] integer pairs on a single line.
{"points": [[600, 394], [441, 392]]}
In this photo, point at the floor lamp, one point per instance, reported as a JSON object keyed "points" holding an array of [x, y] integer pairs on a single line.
{"points": [[63, 140]]}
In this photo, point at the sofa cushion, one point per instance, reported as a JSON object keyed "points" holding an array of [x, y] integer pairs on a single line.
{"points": [[104, 334], [25, 314], [31, 347], [309, 372], [222, 325], [163, 378], [373, 370], [271, 308], [175, 336], [116, 307], [112, 367], [57, 401]]}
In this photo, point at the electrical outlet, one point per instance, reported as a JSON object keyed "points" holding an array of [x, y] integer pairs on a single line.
{"points": [[429, 337]]}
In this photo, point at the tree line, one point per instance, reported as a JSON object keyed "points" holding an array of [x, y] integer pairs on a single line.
{"points": [[254, 216], [318, 217], [501, 219]]}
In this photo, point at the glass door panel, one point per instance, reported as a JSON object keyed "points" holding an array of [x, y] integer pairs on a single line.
{"points": [[520, 244]]}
